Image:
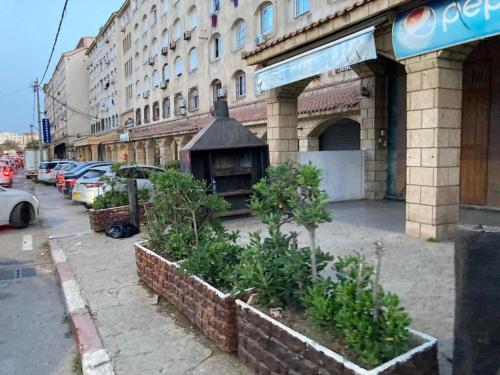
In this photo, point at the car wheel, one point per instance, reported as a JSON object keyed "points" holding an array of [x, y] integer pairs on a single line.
{"points": [[20, 216]]}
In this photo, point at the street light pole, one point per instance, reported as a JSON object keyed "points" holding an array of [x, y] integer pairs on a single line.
{"points": [[36, 87]]}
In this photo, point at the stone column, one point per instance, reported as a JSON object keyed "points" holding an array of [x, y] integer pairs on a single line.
{"points": [[434, 97], [140, 155], [282, 120], [150, 153], [165, 151], [309, 144], [94, 152], [88, 153], [373, 124]]}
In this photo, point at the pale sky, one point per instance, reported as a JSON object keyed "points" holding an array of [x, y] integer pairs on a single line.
{"points": [[27, 33]]}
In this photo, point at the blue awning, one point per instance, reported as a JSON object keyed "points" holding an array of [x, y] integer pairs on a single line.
{"points": [[340, 53]]}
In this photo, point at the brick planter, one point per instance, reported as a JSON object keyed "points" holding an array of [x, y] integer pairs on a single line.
{"points": [[269, 347], [100, 220], [208, 308]]}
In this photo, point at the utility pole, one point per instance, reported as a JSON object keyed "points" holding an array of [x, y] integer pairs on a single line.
{"points": [[36, 87]]}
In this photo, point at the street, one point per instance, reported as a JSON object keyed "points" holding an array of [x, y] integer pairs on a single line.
{"points": [[35, 337]]}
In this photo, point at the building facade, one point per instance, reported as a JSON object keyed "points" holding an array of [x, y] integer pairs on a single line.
{"points": [[66, 102]]}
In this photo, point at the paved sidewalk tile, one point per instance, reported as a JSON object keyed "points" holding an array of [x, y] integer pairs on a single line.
{"points": [[140, 335]]}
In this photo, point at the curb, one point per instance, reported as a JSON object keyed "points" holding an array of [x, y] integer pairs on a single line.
{"points": [[94, 358]]}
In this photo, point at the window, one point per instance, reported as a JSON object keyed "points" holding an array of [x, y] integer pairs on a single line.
{"points": [[145, 55], [164, 38], [156, 111], [301, 7], [165, 4], [266, 19], [178, 66], [216, 6], [154, 15], [166, 107], [146, 114], [165, 73], [146, 86], [156, 78], [155, 47], [240, 34], [216, 86], [193, 59], [138, 88], [179, 103], [217, 46], [194, 99], [241, 84], [177, 30], [138, 117], [193, 18], [145, 25]]}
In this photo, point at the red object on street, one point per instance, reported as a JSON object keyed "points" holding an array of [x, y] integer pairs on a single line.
{"points": [[6, 172], [93, 184]]}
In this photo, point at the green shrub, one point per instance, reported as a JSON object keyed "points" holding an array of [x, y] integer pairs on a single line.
{"points": [[173, 164], [182, 210], [374, 331], [215, 259], [277, 271], [117, 198]]}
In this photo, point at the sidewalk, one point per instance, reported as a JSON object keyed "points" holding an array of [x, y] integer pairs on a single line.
{"points": [[140, 335]]}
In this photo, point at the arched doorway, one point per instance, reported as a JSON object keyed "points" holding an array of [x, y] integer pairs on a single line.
{"points": [[480, 140], [340, 134]]}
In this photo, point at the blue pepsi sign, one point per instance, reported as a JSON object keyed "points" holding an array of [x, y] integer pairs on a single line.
{"points": [[46, 130], [444, 23]]}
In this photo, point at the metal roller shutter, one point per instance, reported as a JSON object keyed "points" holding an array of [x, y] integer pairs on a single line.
{"points": [[344, 134]]}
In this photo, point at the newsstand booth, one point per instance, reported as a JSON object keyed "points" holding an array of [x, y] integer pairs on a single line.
{"points": [[228, 156]]}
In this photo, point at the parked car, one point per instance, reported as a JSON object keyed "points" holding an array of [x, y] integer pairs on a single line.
{"points": [[6, 175], [58, 168], [69, 178], [91, 184], [18, 207], [45, 169]]}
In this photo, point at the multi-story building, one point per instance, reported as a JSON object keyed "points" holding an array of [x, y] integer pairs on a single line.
{"points": [[177, 57], [66, 100]]}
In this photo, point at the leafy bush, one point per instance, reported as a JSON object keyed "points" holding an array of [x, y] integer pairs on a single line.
{"points": [[278, 272], [173, 164], [215, 259], [373, 328], [182, 211], [117, 198]]}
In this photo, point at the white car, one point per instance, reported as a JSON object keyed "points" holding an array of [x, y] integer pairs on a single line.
{"points": [[47, 170], [17, 208]]}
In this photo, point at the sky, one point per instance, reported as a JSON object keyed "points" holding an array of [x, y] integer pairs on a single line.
{"points": [[27, 32]]}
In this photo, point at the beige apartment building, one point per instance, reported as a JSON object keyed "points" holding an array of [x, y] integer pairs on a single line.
{"points": [[177, 57], [66, 102]]}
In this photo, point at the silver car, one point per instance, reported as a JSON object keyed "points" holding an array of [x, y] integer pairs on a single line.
{"points": [[6, 175]]}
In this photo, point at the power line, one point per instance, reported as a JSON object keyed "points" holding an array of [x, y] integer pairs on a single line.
{"points": [[72, 109], [55, 40], [14, 92]]}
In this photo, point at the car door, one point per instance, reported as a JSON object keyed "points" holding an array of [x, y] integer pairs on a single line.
{"points": [[4, 215]]}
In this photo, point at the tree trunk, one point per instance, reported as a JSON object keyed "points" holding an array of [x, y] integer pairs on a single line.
{"points": [[314, 269]]}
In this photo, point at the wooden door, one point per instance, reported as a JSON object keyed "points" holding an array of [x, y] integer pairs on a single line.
{"points": [[476, 103]]}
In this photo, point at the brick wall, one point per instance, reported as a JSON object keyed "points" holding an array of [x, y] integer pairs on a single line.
{"points": [[100, 220], [206, 307], [269, 347]]}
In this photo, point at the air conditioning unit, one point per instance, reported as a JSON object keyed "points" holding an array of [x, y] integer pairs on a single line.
{"points": [[164, 85], [260, 39], [164, 51], [221, 93], [172, 45], [151, 60], [145, 95], [187, 35]]}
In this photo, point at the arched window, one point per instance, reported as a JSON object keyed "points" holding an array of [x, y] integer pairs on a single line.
{"points": [[145, 55], [156, 111], [136, 60], [164, 38], [216, 6], [138, 117], [178, 66], [177, 29], [156, 78], [216, 89], [193, 18], [147, 84], [216, 46], [145, 25], [138, 90], [166, 73], [136, 31], [166, 107], [154, 15], [164, 6], [179, 104], [240, 34], [240, 84], [266, 19], [155, 47], [194, 99], [146, 114], [193, 59]]}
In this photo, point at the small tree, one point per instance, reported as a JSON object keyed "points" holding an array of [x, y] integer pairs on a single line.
{"points": [[309, 208]]}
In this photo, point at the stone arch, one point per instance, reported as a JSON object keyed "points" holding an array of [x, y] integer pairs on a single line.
{"points": [[140, 152], [336, 126], [150, 148]]}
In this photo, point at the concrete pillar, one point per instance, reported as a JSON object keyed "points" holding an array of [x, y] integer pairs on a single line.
{"points": [[434, 102], [150, 153], [165, 151], [94, 152], [88, 153], [373, 125], [140, 154], [282, 120]]}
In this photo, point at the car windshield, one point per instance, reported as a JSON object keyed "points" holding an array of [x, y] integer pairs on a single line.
{"points": [[93, 173]]}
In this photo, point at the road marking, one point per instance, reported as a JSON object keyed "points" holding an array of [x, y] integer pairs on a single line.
{"points": [[27, 242]]}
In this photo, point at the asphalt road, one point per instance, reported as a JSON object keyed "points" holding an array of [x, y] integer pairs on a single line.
{"points": [[35, 337]]}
